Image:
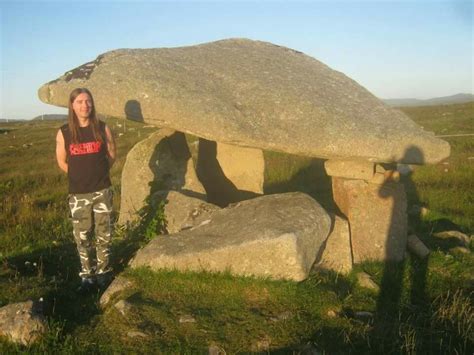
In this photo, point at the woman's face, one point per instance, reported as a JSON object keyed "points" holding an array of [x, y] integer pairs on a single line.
{"points": [[82, 106]]}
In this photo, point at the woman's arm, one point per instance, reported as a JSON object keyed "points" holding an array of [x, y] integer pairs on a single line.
{"points": [[61, 154], [111, 151]]}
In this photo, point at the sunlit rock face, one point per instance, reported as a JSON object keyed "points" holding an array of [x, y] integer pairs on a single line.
{"points": [[252, 94]]}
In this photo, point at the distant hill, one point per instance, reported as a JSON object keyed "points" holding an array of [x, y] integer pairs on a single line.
{"points": [[50, 117], [445, 100]]}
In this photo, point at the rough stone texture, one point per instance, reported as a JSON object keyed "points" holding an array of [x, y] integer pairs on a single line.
{"points": [[377, 218], [160, 162], [455, 236], [184, 212], [276, 236], [417, 247], [22, 322], [365, 280], [337, 255], [350, 169], [245, 167], [118, 285], [253, 94]]}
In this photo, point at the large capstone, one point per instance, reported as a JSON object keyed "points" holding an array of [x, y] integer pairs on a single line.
{"points": [[276, 236], [252, 94]]}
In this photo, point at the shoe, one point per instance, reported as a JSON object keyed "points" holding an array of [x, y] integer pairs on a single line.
{"points": [[87, 286]]}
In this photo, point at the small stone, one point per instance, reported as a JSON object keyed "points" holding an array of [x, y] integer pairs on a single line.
{"points": [[119, 284], [23, 322], [262, 344], [459, 250], [417, 247], [461, 238], [123, 307], [365, 280], [282, 316], [136, 334], [216, 350], [186, 318]]}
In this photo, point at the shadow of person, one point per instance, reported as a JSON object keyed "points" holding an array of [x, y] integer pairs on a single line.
{"points": [[133, 111], [418, 266], [388, 307]]}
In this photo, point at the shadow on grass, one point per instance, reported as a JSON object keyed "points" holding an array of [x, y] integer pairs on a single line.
{"points": [[53, 272]]}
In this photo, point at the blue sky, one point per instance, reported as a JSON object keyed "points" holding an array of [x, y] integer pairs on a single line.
{"points": [[395, 49]]}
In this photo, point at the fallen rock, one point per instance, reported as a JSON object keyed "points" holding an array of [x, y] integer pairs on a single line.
{"points": [[185, 212], [22, 323], [252, 94], [161, 162], [276, 236], [337, 254], [118, 285]]}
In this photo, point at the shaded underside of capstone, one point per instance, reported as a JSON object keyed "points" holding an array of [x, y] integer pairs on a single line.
{"points": [[253, 94]]}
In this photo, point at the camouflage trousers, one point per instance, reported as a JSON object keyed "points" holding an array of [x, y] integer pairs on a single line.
{"points": [[91, 216]]}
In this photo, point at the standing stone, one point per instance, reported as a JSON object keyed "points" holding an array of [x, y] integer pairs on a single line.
{"points": [[22, 322], [377, 217], [276, 236], [337, 255], [161, 162], [245, 167]]}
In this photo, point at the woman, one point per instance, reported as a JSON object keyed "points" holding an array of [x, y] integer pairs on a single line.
{"points": [[85, 150]]}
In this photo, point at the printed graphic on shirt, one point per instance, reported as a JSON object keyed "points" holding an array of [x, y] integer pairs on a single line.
{"points": [[84, 148]]}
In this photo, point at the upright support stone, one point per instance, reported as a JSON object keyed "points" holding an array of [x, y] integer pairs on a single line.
{"points": [[245, 167], [377, 217], [161, 162]]}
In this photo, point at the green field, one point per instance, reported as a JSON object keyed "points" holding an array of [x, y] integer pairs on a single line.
{"points": [[423, 307]]}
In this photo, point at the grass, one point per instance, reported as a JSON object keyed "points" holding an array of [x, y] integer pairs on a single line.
{"points": [[426, 307]]}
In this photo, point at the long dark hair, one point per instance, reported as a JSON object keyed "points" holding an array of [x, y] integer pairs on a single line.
{"points": [[73, 121]]}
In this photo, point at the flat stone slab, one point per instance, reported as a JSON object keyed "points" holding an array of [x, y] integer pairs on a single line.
{"points": [[276, 236], [252, 94]]}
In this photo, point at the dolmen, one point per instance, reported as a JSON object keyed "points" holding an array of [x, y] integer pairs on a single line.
{"points": [[239, 98]]}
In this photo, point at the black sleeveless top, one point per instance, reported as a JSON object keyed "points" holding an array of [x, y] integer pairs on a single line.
{"points": [[88, 166]]}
